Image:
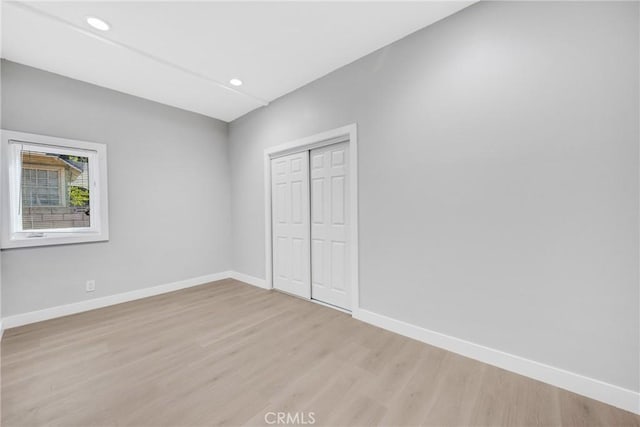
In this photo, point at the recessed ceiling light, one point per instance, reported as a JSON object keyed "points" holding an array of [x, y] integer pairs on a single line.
{"points": [[236, 82], [98, 23]]}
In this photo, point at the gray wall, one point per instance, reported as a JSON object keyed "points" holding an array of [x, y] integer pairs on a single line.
{"points": [[168, 192], [498, 179], [1, 162]]}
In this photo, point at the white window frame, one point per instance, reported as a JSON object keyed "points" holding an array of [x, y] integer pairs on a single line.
{"points": [[13, 236]]}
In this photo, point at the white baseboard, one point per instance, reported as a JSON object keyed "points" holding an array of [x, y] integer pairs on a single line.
{"points": [[608, 393], [251, 280], [1, 330], [92, 304]]}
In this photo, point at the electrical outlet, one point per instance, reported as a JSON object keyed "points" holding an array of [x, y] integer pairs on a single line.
{"points": [[91, 285]]}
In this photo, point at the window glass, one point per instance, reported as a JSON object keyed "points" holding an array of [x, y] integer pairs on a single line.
{"points": [[55, 191]]}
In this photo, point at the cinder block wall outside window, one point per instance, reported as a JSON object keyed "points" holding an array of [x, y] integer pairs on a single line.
{"points": [[42, 217]]}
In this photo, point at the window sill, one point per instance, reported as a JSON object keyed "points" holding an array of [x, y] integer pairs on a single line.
{"points": [[23, 240]]}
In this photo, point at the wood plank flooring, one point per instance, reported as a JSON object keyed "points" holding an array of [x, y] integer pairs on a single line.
{"points": [[228, 353]]}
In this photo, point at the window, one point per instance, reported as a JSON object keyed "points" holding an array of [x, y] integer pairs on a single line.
{"points": [[54, 191], [40, 187]]}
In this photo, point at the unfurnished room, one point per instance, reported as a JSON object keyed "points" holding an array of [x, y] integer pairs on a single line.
{"points": [[319, 213]]}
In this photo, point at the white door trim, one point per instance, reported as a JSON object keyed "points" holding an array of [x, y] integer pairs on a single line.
{"points": [[341, 134]]}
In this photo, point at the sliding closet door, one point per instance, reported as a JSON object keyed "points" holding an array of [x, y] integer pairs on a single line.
{"points": [[329, 226], [290, 215]]}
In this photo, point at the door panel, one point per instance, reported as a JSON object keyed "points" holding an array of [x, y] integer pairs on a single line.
{"points": [[290, 225], [317, 262], [317, 192], [329, 227], [337, 200]]}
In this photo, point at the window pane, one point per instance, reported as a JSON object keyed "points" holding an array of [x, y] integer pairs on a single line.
{"points": [[54, 179], [55, 191], [42, 177]]}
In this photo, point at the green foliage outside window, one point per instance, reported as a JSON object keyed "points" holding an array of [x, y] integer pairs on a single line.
{"points": [[78, 196]]}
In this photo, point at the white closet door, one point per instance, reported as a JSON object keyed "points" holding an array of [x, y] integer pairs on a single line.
{"points": [[290, 213], [329, 226]]}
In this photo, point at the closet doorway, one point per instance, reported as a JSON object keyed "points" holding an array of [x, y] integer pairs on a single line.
{"points": [[311, 218]]}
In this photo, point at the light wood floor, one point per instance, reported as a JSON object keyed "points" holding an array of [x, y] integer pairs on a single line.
{"points": [[228, 353]]}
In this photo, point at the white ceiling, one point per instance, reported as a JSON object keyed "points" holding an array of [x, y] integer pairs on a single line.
{"points": [[184, 53]]}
